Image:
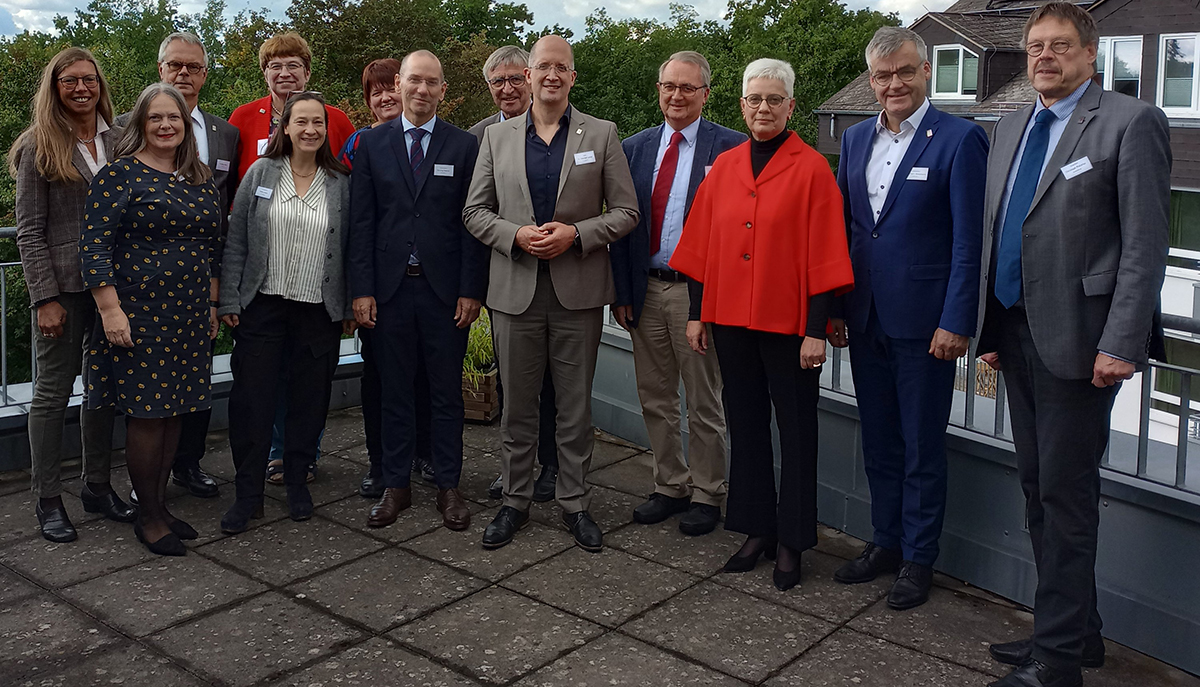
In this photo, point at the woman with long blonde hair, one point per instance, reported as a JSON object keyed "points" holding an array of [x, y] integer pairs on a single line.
{"points": [[53, 161]]}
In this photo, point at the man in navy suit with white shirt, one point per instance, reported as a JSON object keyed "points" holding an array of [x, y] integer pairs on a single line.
{"points": [[668, 162], [912, 184]]}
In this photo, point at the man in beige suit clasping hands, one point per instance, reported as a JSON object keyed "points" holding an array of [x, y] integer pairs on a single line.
{"points": [[551, 190]]}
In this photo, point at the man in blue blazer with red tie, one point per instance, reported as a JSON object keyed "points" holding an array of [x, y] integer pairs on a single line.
{"points": [[418, 279], [912, 184]]}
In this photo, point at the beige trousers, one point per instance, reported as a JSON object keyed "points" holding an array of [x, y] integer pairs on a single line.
{"points": [[661, 356]]}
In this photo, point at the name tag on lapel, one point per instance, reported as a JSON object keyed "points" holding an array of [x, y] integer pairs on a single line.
{"points": [[222, 165], [1074, 169], [264, 192], [443, 170], [919, 174], [262, 145], [707, 169], [587, 157]]}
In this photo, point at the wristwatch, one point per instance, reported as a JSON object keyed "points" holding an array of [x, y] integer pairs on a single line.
{"points": [[578, 242]]}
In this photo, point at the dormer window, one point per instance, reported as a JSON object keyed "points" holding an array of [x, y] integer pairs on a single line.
{"points": [[1119, 64], [955, 72]]}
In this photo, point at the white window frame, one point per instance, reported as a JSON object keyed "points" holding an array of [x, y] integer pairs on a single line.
{"points": [[1194, 110], [1108, 59], [957, 94]]}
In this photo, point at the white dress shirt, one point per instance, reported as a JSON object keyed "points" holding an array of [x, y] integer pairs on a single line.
{"points": [[201, 131], [296, 227], [101, 158], [676, 209], [886, 153], [408, 138]]}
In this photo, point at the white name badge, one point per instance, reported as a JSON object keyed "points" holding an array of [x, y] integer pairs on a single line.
{"points": [[585, 158], [262, 145], [707, 169], [222, 165], [264, 192], [919, 174], [1074, 169], [443, 170]]}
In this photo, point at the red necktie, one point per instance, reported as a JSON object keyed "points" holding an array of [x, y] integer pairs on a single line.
{"points": [[662, 191]]}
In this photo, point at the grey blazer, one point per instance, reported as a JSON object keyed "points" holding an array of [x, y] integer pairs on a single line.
{"points": [[481, 125], [49, 222], [247, 246], [1094, 246]]}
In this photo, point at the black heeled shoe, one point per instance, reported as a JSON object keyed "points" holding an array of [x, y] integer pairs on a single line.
{"points": [[55, 524], [183, 530], [785, 580], [300, 503], [167, 545], [740, 564], [110, 505], [237, 519]]}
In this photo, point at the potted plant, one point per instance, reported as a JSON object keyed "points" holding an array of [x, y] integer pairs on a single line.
{"points": [[480, 375]]}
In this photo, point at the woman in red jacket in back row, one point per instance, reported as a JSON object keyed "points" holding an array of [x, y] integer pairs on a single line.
{"points": [[767, 239]]}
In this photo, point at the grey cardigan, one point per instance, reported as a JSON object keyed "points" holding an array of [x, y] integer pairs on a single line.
{"points": [[245, 261]]}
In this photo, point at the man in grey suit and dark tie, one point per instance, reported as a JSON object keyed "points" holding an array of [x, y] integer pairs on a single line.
{"points": [[1077, 198], [551, 190]]}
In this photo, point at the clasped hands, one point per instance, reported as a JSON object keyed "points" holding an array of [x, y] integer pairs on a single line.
{"points": [[546, 242]]}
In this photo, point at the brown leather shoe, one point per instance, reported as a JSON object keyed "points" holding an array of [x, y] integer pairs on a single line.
{"points": [[455, 514], [388, 509]]}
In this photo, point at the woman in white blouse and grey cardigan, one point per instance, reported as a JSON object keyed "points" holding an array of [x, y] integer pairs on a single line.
{"points": [[283, 290]]}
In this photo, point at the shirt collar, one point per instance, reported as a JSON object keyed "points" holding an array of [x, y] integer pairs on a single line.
{"points": [[1065, 107], [690, 132], [101, 125], [287, 186], [910, 124], [563, 121], [198, 116], [427, 126]]}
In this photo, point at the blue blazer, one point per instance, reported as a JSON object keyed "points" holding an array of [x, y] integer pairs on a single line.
{"points": [[919, 263], [631, 254], [389, 210]]}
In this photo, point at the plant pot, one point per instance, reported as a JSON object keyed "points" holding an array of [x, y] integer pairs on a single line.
{"points": [[481, 400]]}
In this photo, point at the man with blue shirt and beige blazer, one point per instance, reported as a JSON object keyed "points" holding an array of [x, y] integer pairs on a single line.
{"points": [[668, 162], [912, 187], [1078, 202]]}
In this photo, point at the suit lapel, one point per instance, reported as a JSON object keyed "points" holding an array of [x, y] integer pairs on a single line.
{"points": [[643, 176], [436, 139], [216, 142], [519, 132], [400, 146], [779, 163], [81, 164], [1000, 160], [1083, 114], [576, 131], [921, 137], [857, 177]]}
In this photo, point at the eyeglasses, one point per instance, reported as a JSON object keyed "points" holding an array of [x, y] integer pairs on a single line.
{"points": [[1058, 47], [191, 67], [685, 88], [906, 74], [277, 67], [71, 81], [516, 81], [545, 67], [773, 100]]}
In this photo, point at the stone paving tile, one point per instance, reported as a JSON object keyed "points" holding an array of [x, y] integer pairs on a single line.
{"points": [[955, 627], [605, 453], [610, 509], [13, 586], [633, 476], [285, 551], [103, 546], [850, 659], [479, 470], [729, 631], [357, 454], [343, 429], [665, 544], [375, 663], [464, 550], [837, 543], [147, 598], [817, 594], [607, 588], [40, 634], [13, 481], [1124, 666], [615, 659], [483, 437], [133, 665], [218, 458], [205, 514], [497, 635], [255, 639], [421, 518], [336, 479], [18, 521], [387, 588], [119, 479]]}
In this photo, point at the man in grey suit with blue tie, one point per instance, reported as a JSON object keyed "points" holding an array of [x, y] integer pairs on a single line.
{"points": [[668, 162], [1078, 197]]}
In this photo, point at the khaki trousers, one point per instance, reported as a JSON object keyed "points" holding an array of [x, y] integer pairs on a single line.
{"points": [[661, 356]]}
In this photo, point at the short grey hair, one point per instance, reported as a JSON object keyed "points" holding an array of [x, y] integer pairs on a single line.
{"points": [[186, 37], [506, 55], [889, 39], [767, 68], [690, 57]]}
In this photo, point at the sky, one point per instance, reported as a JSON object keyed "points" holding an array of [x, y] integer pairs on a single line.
{"points": [[18, 15]]}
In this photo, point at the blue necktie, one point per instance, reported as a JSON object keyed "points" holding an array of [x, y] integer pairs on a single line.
{"points": [[1008, 257], [415, 157]]}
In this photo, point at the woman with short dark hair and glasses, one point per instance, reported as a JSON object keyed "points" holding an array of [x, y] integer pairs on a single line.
{"points": [[284, 293]]}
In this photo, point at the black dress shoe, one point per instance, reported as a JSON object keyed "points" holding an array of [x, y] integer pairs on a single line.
{"points": [[371, 486], [586, 531], [496, 488], [1019, 652], [167, 545], [701, 518], [237, 519], [547, 482], [502, 528], [740, 564], [300, 503], [196, 481], [1037, 674], [911, 588], [56, 526], [183, 530], [133, 499], [424, 468], [109, 504], [871, 563], [785, 580], [659, 507]]}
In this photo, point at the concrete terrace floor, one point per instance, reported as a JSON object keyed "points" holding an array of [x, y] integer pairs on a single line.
{"points": [[332, 602]]}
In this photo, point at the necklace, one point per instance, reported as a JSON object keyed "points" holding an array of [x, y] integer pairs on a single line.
{"points": [[303, 176], [87, 141]]}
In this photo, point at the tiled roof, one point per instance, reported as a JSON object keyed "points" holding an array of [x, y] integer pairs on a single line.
{"points": [[1015, 94], [1001, 5], [855, 96], [990, 31]]}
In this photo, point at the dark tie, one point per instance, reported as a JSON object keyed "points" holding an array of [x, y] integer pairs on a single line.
{"points": [[415, 154], [1008, 256], [662, 191]]}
